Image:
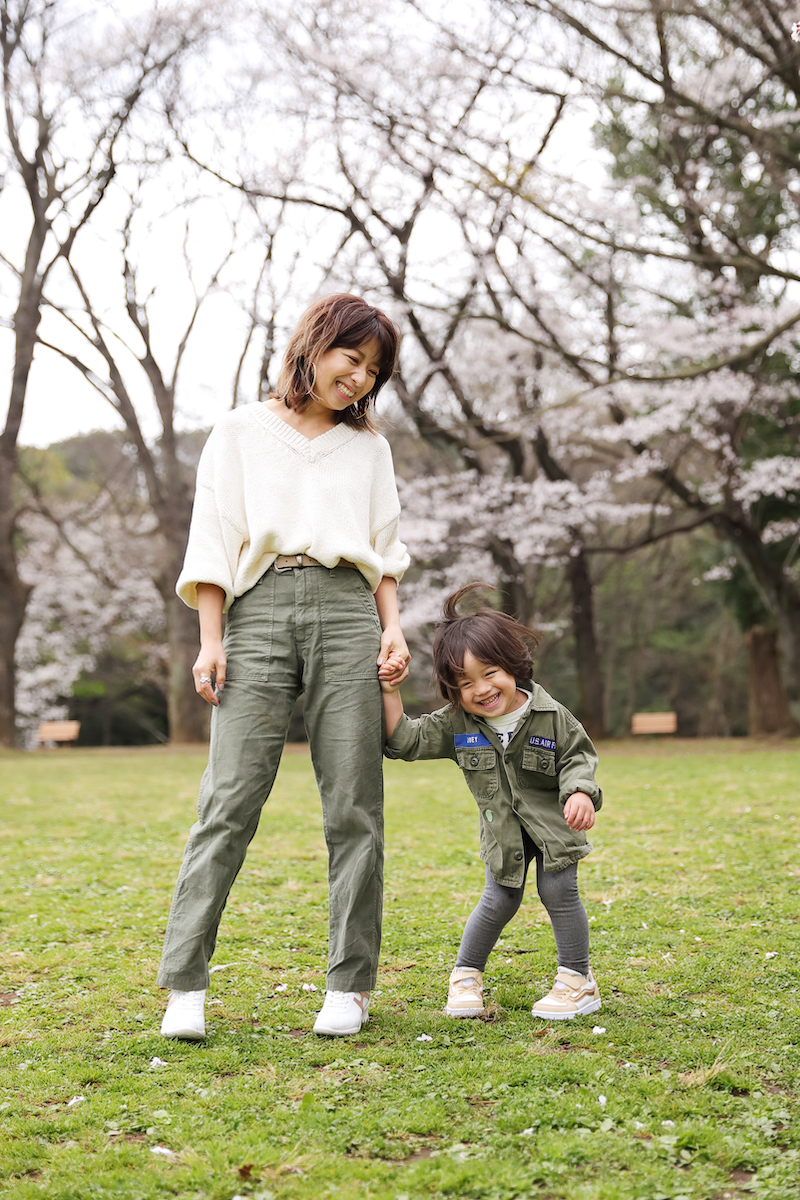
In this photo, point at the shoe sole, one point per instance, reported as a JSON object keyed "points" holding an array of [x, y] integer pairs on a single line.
{"points": [[341, 1032], [465, 1012], [185, 1035], [592, 1007]]}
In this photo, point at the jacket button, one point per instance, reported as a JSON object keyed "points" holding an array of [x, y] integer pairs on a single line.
{"points": [[518, 855], [489, 814], [473, 762]]}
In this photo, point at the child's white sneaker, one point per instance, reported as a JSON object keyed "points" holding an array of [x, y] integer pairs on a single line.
{"points": [[465, 993], [185, 1016], [572, 995], [342, 1013]]}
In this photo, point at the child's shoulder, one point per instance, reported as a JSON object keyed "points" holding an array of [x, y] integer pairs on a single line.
{"points": [[542, 701]]}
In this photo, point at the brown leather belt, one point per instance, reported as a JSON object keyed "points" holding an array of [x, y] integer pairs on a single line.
{"points": [[288, 562]]}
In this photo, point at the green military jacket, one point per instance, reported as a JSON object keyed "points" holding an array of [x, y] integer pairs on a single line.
{"points": [[525, 785]]}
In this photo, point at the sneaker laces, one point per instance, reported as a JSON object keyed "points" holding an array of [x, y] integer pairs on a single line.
{"points": [[342, 999], [192, 1000]]}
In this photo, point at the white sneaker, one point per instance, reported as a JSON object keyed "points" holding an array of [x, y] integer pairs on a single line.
{"points": [[342, 1013], [185, 1016]]}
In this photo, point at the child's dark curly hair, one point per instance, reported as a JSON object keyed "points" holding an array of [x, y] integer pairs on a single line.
{"points": [[490, 636]]}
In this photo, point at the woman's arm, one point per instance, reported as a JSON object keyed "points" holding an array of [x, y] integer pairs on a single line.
{"points": [[394, 655], [211, 662]]}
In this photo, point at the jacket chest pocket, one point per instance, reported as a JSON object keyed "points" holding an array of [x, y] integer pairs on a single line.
{"points": [[540, 763], [479, 764]]}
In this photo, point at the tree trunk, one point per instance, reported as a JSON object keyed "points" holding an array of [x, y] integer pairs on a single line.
{"points": [[188, 714], [591, 707], [768, 710], [14, 593], [782, 599]]}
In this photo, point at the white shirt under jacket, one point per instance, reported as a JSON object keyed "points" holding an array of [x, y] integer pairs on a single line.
{"points": [[264, 489]]}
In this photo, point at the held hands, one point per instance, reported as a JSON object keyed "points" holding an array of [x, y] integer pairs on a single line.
{"points": [[210, 667], [392, 673], [393, 659], [579, 811]]}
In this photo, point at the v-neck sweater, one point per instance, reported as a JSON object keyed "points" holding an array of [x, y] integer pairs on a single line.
{"points": [[264, 489]]}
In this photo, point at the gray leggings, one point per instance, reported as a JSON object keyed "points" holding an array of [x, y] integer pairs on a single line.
{"points": [[558, 892]]}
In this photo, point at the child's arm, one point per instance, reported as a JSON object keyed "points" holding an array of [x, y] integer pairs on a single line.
{"points": [[429, 736], [578, 811]]}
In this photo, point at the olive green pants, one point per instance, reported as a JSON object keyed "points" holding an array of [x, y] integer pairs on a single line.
{"points": [[315, 631]]}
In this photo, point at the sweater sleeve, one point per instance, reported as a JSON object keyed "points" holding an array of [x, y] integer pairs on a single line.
{"points": [[385, 533], [215, 543]]}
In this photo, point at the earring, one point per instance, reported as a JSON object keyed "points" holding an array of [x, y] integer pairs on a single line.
{"points": [[360, 416]]}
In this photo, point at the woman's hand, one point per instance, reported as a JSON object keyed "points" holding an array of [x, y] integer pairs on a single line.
{"points": [[394, 657], [210, 667]]}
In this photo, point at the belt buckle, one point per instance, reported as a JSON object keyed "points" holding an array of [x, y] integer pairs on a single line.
{"points": [[283, 570]]}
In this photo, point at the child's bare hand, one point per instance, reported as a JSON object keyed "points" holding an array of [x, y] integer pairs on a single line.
{"points": [[392, 672], [579, 811]]}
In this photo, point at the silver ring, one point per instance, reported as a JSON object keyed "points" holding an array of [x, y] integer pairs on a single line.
{"points": [[205, 679]]}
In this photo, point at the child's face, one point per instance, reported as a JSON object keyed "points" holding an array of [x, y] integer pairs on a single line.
{"points": [[488, 690]]}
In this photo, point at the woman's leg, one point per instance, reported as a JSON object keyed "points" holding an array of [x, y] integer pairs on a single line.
{"points": [[248, 731], [339, 640], [486, 922], [559, 894]]}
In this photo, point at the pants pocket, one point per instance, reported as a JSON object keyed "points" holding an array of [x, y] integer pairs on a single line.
{"points": [[249, 632], [351, 629]]}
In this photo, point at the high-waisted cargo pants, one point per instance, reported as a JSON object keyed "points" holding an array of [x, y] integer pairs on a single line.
{"points": [[315, 631]]}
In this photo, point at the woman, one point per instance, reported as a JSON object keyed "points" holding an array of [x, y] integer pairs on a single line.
{"points": [[294, 534]]}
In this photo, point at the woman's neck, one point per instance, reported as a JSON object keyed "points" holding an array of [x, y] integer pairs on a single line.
{"points": [[312, 422]]}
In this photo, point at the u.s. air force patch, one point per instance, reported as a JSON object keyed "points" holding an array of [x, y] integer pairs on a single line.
{"points": [[542, 742]]}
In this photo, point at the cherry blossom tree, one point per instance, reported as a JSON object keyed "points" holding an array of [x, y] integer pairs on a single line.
{"points": [[73, 88], [87, 555]]}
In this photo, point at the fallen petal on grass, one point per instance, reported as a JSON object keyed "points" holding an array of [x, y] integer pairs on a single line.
{"points": [[164, 1152]]}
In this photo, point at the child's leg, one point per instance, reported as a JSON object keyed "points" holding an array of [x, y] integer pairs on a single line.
{"points": [[494, 910], [559, 894]]}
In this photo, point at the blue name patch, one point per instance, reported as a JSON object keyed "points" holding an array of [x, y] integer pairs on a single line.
{"points": [[465, 740], [545, 743]]}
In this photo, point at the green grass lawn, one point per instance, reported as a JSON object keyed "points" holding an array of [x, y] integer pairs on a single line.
{"points": [[687, 1088]]}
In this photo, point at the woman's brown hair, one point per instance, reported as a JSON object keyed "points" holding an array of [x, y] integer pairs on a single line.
{"points": [[490, 636], [339, 320]]}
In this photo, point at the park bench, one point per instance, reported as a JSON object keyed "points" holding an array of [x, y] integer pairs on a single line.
{"points": [[658, 722], [58, 731]]}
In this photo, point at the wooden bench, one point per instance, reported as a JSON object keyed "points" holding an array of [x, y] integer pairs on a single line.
{"points": [[659, 722], [58, 731]]}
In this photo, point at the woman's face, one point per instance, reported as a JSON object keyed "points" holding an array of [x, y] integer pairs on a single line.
{"points": [[344, 376]]}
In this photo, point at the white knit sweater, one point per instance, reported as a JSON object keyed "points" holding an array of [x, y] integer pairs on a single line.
{"points": [[264, 489]]}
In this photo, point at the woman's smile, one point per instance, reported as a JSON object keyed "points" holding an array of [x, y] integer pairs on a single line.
{"points": [[344, 375]]}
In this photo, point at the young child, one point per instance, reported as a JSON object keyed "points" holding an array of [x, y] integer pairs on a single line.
{"points": [[530, 766]]}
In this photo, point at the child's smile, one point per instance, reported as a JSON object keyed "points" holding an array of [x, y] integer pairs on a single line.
{"points": [[487, 690]]}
